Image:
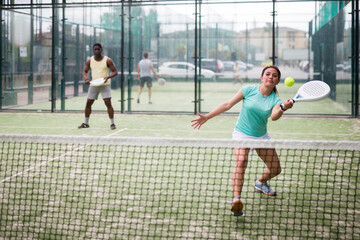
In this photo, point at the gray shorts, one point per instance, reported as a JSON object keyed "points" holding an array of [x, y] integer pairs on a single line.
{"points": [[148, 81], [93, 92]]}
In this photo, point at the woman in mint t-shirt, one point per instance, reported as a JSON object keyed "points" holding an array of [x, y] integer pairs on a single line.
{"points": [[259, 103]]}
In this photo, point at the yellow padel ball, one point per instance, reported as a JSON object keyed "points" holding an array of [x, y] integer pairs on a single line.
{"points": [[289, 81]]}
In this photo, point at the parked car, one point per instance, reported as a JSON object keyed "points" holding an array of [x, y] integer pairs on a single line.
{"points": [[228, 66], [345, 66], [249, 66], [182, 69], [241, 65], [212, 64]]}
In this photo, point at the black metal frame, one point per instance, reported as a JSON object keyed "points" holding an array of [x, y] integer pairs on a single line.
{"points": [[197, 81]]}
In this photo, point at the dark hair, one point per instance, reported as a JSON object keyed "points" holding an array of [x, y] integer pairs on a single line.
{"points": [[146, 55], [278, 71], [97, 44]]}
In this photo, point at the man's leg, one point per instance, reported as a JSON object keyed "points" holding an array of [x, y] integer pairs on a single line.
{"points": [[89, 103], [141, 86], [110, 111], [139, 93], [149, 91], [149, 85]]}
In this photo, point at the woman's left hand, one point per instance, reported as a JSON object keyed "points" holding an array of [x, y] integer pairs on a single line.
{"points": [[199, 121]]}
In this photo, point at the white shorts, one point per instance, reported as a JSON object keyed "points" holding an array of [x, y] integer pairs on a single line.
{"points": [[237, 135], [93, 92]]}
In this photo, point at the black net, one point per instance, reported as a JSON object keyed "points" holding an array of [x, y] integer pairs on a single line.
{"points": [[57, 187]]}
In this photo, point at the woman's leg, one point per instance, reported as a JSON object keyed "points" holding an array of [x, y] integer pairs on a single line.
{"points": [[241, 156], [271, 159]]}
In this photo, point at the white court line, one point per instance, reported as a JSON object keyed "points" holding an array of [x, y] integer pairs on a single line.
{"points": [[121, 130], [44, 163], [38, 165], [37, 127]]}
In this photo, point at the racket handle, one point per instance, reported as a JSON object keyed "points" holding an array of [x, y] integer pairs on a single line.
{"points": [[292, 100]]}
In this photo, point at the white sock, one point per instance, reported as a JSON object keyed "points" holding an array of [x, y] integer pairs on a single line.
{"points": [[112, 120], [86, 120]]}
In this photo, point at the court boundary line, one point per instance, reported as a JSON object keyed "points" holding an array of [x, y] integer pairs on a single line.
{"points": [[121, 130], [50, 160], [38, 165]]}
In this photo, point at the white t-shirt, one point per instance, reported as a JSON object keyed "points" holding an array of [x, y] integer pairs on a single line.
{"points": [[145, 70]]}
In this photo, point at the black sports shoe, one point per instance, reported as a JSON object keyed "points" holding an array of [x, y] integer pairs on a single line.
{"points": [[112, 127], [84, 125]]}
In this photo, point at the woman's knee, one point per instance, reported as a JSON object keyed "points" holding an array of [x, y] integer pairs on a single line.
{"points": [[276, 171]]}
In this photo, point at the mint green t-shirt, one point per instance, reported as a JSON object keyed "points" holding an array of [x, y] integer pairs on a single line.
{"points": [[255, 111]]}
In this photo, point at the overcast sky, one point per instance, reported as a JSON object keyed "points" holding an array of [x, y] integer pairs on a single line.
{"points": [[291, 14]]}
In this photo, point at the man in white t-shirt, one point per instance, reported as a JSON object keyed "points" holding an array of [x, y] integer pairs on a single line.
{"points": [[145, 67]]}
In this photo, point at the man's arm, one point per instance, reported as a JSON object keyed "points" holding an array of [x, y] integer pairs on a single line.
{"points": [[153, 70], [86, 71], [112, 67], [138, 71]]}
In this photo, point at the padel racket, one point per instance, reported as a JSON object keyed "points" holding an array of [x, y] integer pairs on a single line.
{"points": [[97, 82], [161, 81], [312, 91]]}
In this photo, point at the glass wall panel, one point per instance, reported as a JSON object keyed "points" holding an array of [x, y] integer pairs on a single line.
{"points": [[167, 35], [331, 50], [26, 67], [44, 52], [235, 44]]}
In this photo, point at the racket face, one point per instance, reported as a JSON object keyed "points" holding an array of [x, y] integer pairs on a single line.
{"points": [[312, 91], [161, 81], [97, 82]]}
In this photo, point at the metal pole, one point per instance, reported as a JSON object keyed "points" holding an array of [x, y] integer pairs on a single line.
{"points": [[216, 42], [53, 58], [63, 52], [273, 35], [31, 75], [94, 35], [1, 57], [200, 57], [309, 47], [158, 46], [78, 74], [246, 50], [11, 48], [130, 62], [355, 57], [196, 60], [187, 44], [122, 58]]}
